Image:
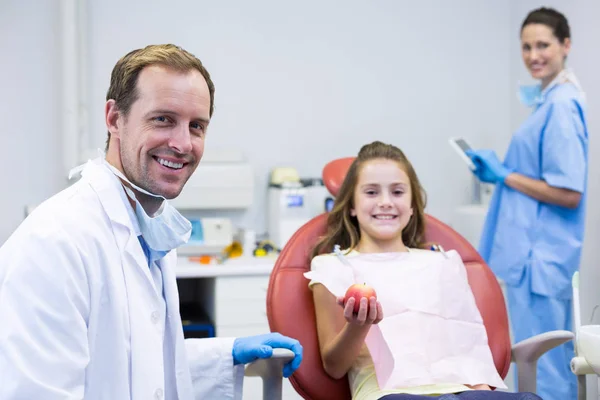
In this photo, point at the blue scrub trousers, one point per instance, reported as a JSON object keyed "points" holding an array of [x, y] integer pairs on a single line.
{"points": [[532, 314]]}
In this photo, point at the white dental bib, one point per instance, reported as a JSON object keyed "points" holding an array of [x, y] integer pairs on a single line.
{"points": [[432, 331]]}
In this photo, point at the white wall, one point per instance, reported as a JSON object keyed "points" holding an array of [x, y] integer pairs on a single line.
{"points": [[296, 85], [29, 108], [301, 84], [584, 59]]}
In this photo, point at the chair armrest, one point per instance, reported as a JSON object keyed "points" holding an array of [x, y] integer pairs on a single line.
{"points": [[271, 372], [526, 353]]}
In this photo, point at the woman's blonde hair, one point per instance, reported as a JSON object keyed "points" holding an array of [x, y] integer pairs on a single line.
{"points": [[343, 229]]}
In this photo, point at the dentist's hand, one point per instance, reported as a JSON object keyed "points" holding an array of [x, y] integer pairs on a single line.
{"points": [[250, 348], [489, 168]]}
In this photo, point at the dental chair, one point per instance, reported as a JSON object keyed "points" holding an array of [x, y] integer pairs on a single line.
{"points": [[290, 308]]}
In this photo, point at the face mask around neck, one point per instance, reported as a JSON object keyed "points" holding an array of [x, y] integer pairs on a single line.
{"points": [[530, 95], [167, 229]]}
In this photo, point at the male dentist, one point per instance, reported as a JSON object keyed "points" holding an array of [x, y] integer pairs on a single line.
{"points": [[88, 297]]}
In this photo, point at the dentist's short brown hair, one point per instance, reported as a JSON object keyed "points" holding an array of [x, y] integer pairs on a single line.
{"points": [[124, 77]]}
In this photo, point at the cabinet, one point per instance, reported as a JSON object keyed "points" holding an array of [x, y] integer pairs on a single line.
{"points": [[240, 305]]}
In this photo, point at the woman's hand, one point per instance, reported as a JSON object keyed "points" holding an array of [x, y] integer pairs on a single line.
{"points": [[369, 312]]}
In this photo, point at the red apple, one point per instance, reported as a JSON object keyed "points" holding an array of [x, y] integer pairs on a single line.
{"points": [[358, 291]]}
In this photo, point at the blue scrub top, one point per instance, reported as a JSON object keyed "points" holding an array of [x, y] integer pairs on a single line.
{"points": [[521, 232]]}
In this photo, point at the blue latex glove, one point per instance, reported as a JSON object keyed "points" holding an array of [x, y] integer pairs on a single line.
{"points": [[489, 168], [250, 348]]}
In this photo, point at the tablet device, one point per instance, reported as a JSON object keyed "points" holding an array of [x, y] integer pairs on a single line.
{"points": [[461, 146]]}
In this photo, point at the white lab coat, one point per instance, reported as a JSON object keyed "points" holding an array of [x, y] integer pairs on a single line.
{"points": [[77, 307]]}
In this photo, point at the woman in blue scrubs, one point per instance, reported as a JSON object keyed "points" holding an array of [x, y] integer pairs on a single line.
{"points": [[533, 233]]}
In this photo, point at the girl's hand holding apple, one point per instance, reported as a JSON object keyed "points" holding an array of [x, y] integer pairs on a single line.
{"points": [[361, 306]]}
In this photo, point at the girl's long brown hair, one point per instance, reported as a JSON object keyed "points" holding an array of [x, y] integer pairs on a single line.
{"points": [[342, 228]]}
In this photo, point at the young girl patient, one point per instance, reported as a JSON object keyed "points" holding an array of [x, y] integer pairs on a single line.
{"points": [[379, 209]]}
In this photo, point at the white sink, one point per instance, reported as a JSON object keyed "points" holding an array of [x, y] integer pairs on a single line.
{"points": [[588, 342]]}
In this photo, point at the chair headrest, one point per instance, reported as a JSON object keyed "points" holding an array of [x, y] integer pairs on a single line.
{"points": [[335, 172]]}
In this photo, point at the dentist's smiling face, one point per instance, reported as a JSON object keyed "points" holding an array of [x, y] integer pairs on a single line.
{"points": [[543, 53], [161, 140], [382, 203]]}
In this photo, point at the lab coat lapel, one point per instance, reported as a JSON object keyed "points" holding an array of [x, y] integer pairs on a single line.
{"points": [[146, 341], [174, 327], [114, 201]]}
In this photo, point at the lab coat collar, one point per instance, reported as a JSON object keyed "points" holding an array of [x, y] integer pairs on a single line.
{"points": [[110, 192]]}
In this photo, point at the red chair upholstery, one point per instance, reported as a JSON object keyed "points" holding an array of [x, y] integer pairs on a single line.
{"points": [[290, 307], [335, 172]]}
